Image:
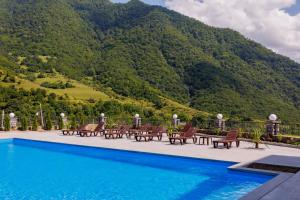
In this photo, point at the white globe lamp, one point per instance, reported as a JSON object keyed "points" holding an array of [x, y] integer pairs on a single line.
{"points": [[102, 115], [136, 115], [273, 117], [219, 116], [175, 116], [11, 115], [62, 115]]}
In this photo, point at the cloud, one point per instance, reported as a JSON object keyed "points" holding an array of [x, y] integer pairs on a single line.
{"points": [[264, 21]]}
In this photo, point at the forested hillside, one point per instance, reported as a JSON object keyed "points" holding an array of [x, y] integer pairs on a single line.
{"points": [[148, 53]]}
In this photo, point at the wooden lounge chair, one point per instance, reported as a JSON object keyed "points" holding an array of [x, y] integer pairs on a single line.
{"points": [[141, 130], [99, 129], [116, 133], [228, 140], [91, 130], [72, 131], [155, 132], [184, 136], [184, 129]]}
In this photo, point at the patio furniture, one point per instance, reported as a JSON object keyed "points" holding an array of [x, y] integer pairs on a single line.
{"points": [[205, 139], [155, 132], [184, 136], [99, 129], [73, 130], [228, 140], [184, 129], [116, 133], [141, 130], [91, 130]]}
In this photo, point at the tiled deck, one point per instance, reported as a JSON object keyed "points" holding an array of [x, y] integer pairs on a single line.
{"points": [[245, 153]]}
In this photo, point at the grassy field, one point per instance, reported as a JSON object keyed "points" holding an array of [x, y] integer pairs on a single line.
{"points": [[80, 92], [84, 93]]}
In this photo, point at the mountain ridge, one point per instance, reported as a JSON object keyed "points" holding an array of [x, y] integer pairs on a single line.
{"points": [[145, 52]]}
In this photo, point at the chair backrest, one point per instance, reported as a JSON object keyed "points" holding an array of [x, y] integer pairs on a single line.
{"points": [[232, 135], [82, 127], [161, 129], [99, 126], [190, 132], [124, 128], [187, 127], [156, 130]]}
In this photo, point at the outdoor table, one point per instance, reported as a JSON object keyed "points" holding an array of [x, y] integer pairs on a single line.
{"points": [[205, 138]]}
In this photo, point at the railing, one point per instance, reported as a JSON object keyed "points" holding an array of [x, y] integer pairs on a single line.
{"points": [[244, 126], [249, 126]]}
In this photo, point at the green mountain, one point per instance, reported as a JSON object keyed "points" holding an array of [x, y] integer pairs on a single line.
{"points": [[148, 53]]}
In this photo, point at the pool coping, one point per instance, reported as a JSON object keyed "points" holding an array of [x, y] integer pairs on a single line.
{"points": [[256, 194]]}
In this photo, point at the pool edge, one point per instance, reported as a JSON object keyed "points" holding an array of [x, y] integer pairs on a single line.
{"points": [[235, 166]]}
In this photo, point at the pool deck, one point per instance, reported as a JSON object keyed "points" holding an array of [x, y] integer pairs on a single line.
{"points": [[284, 186], [244, 154]]}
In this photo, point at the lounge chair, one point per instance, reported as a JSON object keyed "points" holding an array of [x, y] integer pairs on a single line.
{"points": [[141, 130], [155, 132], [91, 130], [184, 136], [184, 129], [116, 133], [228, 140], [99, 129], [73, 130]]}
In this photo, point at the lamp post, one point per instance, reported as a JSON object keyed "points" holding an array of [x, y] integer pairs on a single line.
{"points": [[102, 119], [137, 121], [63, 120], [13, 120], [220, 122], [273, 124], [175, 120]]}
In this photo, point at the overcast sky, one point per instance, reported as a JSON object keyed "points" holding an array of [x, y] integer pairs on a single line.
{"points": [[273, 23]]}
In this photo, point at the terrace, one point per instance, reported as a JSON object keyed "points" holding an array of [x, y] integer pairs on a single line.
{"points": [[245, 153], [270, 158]]}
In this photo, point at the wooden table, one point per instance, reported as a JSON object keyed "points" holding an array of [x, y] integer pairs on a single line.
{"points": [[205, 138]]}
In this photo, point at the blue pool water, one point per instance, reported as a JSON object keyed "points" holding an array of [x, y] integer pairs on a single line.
{"points": [[34, 170]]}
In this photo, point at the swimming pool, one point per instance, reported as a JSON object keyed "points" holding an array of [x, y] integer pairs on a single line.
{"points": [[34, 170]]}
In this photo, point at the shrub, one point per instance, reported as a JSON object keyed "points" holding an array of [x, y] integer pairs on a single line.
{"points": [[72, 122], [48, 122], [81, 118], [9, 79], [256, 136], [6, 123], [24, 123], [57, 85], [31, 77], [41, 75], [34, 123], [61, 123]]}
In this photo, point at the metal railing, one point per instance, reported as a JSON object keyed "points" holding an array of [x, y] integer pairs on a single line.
{"points": [[244, 126]]}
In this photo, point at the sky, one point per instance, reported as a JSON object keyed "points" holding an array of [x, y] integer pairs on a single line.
{"points": [[273, 23]]}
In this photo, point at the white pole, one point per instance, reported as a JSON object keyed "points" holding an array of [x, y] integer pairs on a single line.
{"points": [[2, 120], [42, 118]]}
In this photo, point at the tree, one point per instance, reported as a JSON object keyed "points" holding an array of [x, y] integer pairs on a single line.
{"points": [[60, 123], [6, 123], [34, 123], [48, 123], [72, 122], [24, 123], [81, 118]]}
